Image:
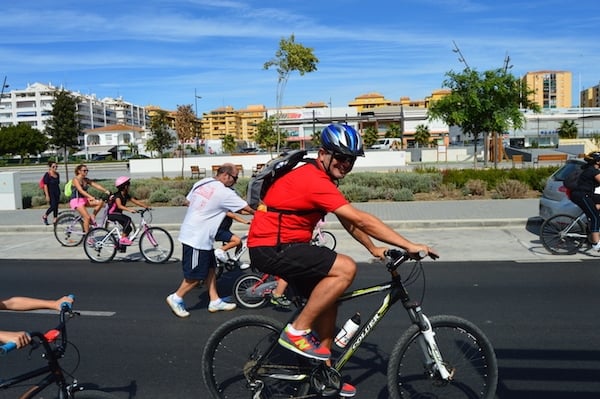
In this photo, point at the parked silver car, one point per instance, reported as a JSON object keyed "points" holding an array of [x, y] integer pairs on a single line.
{"points": [[554, 200]]}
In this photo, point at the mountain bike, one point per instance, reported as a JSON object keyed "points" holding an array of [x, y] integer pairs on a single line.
{"points": [[54, 345], [564, 234], [156, 245], [439, 357]]}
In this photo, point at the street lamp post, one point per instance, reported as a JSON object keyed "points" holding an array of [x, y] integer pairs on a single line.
{"points": [[196, 97]]}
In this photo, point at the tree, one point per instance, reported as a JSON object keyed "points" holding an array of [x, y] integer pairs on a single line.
{"points": [[290, 56], [229, 143], [422, 135], [185, 128], [266, 136], [63, 127], [567, 129], [161, 139], [370, 136], [394, 131], [487, 102], [22, 140]]}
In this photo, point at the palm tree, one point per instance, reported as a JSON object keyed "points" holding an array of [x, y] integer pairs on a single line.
{"points": [[567, 129], [422, 135]]}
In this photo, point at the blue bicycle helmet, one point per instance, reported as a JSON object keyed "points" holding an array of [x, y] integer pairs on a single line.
{"points": [[342, 139]]}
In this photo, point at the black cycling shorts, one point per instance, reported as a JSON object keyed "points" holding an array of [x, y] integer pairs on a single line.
{"points": [[302, 265]]}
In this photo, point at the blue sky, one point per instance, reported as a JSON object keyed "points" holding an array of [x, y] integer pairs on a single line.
{"points": [[159, 52]]}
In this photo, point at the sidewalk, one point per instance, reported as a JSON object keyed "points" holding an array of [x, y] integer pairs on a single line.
{"points": [[464, 230]]}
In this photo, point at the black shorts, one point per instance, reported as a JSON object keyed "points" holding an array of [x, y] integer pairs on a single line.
{"points": [[301, 265]]}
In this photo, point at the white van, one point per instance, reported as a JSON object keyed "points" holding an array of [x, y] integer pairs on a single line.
{"points": [[386, 144]]}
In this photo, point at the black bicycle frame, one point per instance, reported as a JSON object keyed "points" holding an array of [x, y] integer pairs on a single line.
{"points": [[52, 369]]}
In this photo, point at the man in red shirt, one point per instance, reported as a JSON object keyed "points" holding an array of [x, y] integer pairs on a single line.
{"points": [[279, 240]]}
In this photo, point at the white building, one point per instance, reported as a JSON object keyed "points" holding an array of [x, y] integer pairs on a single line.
{"points": [[33, 106]]}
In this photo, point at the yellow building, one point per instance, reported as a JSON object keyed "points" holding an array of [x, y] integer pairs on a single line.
{"points": [[551, 89]]}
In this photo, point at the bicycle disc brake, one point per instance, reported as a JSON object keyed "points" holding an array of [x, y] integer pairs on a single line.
{"points": [[326, 381]]}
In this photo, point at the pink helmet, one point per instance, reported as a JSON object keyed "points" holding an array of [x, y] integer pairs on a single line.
{"points": [[121, 180]]}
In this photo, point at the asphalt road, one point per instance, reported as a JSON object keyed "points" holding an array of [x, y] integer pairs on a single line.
{"points": [[540, 316]]}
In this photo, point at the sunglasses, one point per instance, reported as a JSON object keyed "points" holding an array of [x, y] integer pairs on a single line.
{"points": [[235, 178], [342, 158], [84, 170]]}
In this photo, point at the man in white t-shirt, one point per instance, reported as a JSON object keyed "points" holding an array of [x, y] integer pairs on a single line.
{"points": [[208, 201]]}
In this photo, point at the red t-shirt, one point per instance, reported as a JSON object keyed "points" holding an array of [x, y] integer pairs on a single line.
{"points": [[306, 188]]}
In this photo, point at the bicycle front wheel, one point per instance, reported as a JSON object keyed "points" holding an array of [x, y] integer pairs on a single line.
{"points": [[242, 358], [559, 239], [248, 290], [100, 245], [467, 355], [325, 239], [156, 245], [68, 229]]}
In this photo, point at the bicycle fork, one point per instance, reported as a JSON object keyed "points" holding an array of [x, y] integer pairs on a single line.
{"points": [[426, 340]]}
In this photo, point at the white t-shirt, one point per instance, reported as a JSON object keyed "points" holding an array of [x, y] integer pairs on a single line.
{"points": [[209, 201]]}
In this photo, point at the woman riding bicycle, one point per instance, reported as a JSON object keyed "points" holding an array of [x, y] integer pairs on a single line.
{"points": [[81, 199], [584, 195]]}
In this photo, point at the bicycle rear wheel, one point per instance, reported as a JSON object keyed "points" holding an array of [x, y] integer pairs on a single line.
{"points": [[467, 354], [68, 229], [156, 245], [100, 245], [557, 240], [237, 360], [249, 290], [326, 239]]}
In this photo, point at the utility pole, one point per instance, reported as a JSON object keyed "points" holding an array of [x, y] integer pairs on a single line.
{"points": [[196, 97]]}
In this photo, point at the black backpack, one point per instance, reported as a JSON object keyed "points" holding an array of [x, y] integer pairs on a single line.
{"points": [[274, 169]]}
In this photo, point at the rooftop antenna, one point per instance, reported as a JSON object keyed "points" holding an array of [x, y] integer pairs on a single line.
{"points": [[461, 58]]}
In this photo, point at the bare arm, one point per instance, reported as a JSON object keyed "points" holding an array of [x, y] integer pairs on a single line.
{"points": [[21, 303]]}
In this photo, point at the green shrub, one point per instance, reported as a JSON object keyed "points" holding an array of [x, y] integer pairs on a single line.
{"points": [[356, 193]]}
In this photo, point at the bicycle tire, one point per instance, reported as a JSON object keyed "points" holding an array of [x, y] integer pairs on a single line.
{"points": [[551, 235], [463, 346], [68, 229], [100, 245], [244, 293], [326, 239], [156, 245], [234, 348], [92, 394]]}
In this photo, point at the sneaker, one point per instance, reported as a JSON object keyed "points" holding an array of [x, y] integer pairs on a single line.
{"points": [[307, 345], [45, 220], [596, 246], [221, 255], [91, 241], [177, 307], [244, 266], [280, 300], [347, 391], [125, 241], [219, 305]]}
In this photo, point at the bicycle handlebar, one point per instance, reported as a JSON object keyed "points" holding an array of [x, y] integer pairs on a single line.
{"points": [[49, 336], [399, 256]]}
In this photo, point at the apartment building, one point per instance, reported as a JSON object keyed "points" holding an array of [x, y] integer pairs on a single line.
{"points": [[551, 89]]}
